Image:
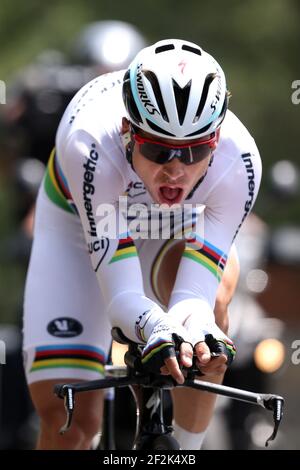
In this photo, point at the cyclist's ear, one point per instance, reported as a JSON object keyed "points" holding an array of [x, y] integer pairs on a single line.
{"points": [[125, 125]]}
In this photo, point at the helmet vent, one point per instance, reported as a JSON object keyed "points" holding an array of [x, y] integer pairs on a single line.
{"points": [[209, 78], [181, 98], [185, 47], [224, 107], [156, 128], [156, 89], [199, 131], [166, 47]]}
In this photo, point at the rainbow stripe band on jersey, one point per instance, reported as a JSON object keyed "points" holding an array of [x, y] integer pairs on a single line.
{"points": [[126, 249], [56, 185], [74, 356], [205, 253]]}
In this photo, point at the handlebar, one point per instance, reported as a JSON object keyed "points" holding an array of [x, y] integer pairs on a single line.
{"points": [[136, 375]]}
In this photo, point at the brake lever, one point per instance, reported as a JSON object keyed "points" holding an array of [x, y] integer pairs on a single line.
{"points": [[274, 403], [67, 393]]}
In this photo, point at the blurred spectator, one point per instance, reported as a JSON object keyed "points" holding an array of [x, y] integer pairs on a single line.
{"points": [[108, 45]]}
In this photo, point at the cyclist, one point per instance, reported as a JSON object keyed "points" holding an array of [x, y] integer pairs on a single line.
{"points": [[157, 133]]}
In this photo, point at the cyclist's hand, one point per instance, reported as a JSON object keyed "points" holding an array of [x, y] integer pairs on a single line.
{"points": [[159, 352], [208, 364], [208, 338], [171, 366]]}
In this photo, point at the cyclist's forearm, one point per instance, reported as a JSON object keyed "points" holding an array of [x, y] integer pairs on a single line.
{"points": [[135, 314]]}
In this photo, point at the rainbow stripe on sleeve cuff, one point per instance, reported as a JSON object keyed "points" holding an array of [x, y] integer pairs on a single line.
{"points": [[155, 348], [74, 356], [206, 254]]}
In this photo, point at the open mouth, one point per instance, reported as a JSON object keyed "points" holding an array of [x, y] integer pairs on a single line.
{"points": [[169, 195]]}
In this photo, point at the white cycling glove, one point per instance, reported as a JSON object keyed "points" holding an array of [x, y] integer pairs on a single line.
{"points": [[163, 335], [198, 319]]}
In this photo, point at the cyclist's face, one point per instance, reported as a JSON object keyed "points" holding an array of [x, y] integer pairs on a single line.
{"points": [[171, 182]]}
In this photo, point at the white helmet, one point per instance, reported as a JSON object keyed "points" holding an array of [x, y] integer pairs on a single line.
{"points": [[175, 89]]}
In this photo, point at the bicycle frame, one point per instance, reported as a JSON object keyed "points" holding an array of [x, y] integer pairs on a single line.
{"points": [[148, 392]]}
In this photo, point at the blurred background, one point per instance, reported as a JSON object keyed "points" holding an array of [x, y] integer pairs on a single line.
{"points": [[48, 51]]}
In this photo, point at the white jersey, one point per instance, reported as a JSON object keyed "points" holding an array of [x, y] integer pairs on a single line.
{"points": [[90, 172]]}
